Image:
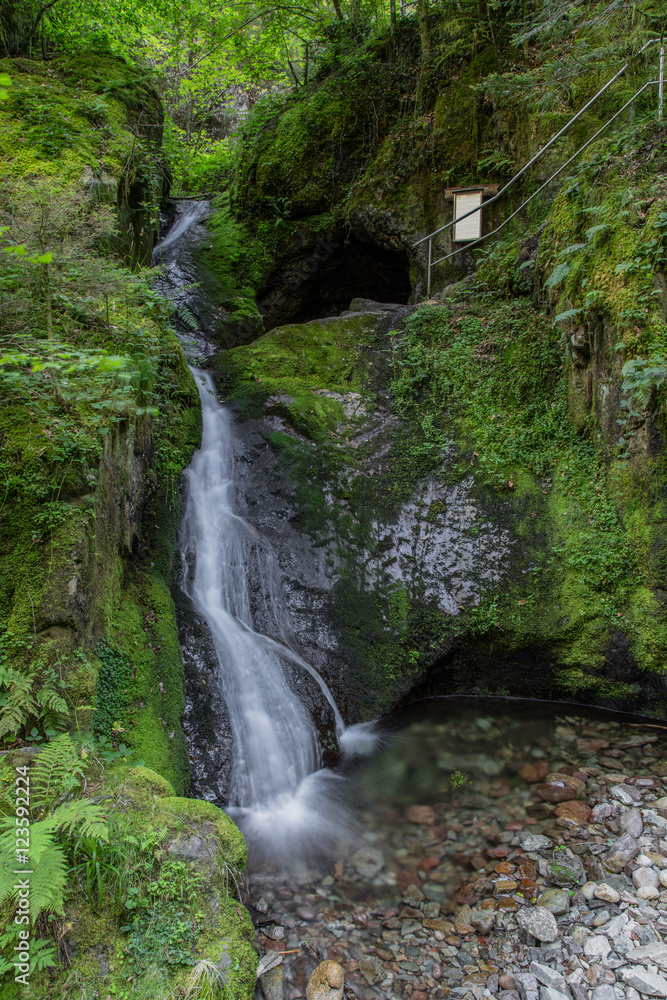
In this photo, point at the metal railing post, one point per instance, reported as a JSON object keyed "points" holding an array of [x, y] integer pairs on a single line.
{"points": [[549, 144], [661, 81], [430, 258]]}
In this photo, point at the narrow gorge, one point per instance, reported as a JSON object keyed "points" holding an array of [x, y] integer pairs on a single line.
{"points": [[333, 600]]}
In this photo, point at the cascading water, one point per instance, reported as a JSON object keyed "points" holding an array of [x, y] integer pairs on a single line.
{"points": [[278, 790], [279, 793]]}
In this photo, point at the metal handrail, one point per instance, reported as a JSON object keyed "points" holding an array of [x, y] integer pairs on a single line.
{"points": [[534, 159], [493, 232]]}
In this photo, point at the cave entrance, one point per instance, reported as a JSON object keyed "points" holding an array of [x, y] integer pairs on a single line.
{"points": [[337, 271]]}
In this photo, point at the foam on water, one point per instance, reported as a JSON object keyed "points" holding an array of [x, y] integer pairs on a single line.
{"points": [[285, 802]]}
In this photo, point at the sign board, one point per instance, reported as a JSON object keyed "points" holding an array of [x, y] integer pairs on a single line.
{"points": [[470, 228]]}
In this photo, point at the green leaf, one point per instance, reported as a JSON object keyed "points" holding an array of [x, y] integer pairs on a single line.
{"points": [[625, 265], [557, 275], [594, 230], [568, 314]]}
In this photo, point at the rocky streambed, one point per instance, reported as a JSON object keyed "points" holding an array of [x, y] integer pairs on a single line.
{"points": [[501, 853]]}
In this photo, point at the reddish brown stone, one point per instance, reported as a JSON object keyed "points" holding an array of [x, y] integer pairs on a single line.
{"points": [[406, 877], [595, 744], [427, 864], [506, 903], [506, 983], [561, 788], [532, 773], [505, 868], [424, 815], [574, 810], [438, 924], [504, 887], [499, 788], [514, 824], [498, 852], [528, 888]]}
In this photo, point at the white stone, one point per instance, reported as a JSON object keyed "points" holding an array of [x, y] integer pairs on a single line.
{"points": [[645, 876], [597, 946], [647, 892], [654, 953], [606, 893], [539, 922], [588, 889], [631, 822], [648, 983], [549, 993], [621, 795], [643, 861], [663, 877], [548, 976]]}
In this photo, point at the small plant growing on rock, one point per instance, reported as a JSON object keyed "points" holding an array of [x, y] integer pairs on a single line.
{"points": [[459, 779]]}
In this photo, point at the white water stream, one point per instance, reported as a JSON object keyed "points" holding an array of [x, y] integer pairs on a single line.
{"points": [[279, 793], [288, 806]]}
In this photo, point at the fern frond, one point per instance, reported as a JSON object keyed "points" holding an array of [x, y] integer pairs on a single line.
{"points": [[51, 700], [57, 771], [82, 817], [48, 865], [47, 883], [20, 703]]}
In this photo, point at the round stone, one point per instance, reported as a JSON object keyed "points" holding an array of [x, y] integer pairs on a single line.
{"points": [[574, 810], [326, 982], [557, 901], [606, 893], [647, 892]]}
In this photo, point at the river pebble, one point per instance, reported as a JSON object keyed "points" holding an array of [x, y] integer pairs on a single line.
{"points": [[479, 886]]}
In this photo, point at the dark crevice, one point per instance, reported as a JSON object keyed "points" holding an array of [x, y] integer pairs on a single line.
{"points": [[323, 281]]}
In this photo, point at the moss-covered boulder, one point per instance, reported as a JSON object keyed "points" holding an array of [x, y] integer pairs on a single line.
{"points": [[437, 517], [167, 918]]}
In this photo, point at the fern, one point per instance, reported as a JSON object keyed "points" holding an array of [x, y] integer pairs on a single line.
{"points": [[47, 864], [58, 812], [57, 771], [20, 704], [23, 703], [557, 275]]}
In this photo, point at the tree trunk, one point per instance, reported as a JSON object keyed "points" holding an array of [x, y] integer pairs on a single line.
{"points": [[339, 13], [425, 38], [424, 27], [392, 16]]}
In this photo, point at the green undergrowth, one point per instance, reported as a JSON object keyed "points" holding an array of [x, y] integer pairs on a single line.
{"points": [[151, 906], [73, 113], [490, 375], [99, 410]]}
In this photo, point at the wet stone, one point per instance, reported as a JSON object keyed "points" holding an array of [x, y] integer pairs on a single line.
{"points": [[557, 901], [539, 922]]}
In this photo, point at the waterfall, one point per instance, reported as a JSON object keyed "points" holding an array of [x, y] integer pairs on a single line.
{"points": [[278, 790], [284, 800]]}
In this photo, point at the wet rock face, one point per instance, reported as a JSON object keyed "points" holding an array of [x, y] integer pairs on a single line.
{"points": [[353, 570], [201, 300]]}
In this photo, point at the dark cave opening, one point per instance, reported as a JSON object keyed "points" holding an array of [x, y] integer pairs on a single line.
{"points": [[325, 282]]}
